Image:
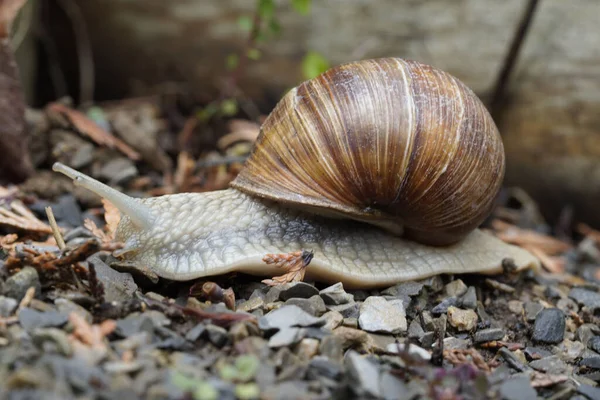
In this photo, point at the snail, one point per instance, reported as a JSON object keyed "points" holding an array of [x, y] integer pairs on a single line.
{"points": [[384, 168]]}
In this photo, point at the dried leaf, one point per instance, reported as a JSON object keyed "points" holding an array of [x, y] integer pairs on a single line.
{"points": [[555, 265], [240, 131], [539, 379], [112, 216], [589, 232], [18, 216], [92, 130], [467, 356], [294, 263], [522, 237], [97, 232]]}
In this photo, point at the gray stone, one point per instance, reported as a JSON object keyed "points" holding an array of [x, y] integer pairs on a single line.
{"points": [[300, 290], [118, 286], [57, 339], [536, 353], [518, 388], [469, 299], [288, 316], [350, 310], [314, 305], [589, 391], [442, 307], [287, 336], [567, 305], [570, 351], [217, 335], [488, 335], [31, 319], [332, 347], [7, 306], [364, 375], [594, 344], [196, 332], [590, 362], [427, 339], [532, 309], [410, 288], [551, 365], [415, 331], [67, 306], [586, 332], [585, 297], [251, 304], [321, 366], [333, 318], [16, 286], [380, 315], [411, 349], [350, 322], [456, 288], [549, 326], [335, 295], [454, 343]]}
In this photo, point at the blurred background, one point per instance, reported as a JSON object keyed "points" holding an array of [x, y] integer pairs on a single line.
{"points": [[201, 63]]}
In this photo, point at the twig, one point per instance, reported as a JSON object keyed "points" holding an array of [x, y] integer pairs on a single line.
{"points": [[508, 65], [55, 231]]}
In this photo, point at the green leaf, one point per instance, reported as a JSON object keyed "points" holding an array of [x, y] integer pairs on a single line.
{"points": [[313, 65], [301, 6], [274, 27], [247, 366], [229, 107], [253, 54], [266, 8], [245, 22], [206, 113], [232, 61], [247, 391]]}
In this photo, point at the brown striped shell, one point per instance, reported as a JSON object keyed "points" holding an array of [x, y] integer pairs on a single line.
{"points": [[392, 142]]}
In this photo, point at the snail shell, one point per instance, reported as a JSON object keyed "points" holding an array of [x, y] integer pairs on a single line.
{"points": [[392, 142]]}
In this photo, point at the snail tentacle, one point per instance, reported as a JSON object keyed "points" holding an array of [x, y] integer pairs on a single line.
{"points": [[139, 214]]}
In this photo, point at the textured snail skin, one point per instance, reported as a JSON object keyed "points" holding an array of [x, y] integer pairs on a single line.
{"points": [[192, 235], [388, 141]]}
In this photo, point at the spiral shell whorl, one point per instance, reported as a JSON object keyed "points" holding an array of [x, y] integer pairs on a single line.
{"points": [[382, 139]]}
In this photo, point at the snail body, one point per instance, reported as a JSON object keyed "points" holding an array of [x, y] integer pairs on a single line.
{"points": [[384, 168]]}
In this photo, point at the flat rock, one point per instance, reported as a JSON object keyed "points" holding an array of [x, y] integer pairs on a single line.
{"points": [[411, 288], [549, 326], [415, 330], [469, 299], [532, 309], [518, 388], [336, 295], [551, 365], [443, 306], [590, 362], [380, 315], [288, 316], [118, 286], [488, 335]]}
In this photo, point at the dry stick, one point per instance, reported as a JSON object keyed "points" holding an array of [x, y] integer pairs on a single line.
{"points": [[498, 96], [55, 231]]}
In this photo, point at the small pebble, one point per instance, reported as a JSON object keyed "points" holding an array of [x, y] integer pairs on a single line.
{"points": [[307, 349], [586, 332], [551, 365], [31, 319], [7, 306], [516, 307], [536, 353], [380, 315], [488, 335], [57, 337], [410, 288], [415, 331], [16, 286], [313, 305], [335, 295], [411, 349], [463, 320], [454, 343], [532, 309], [469, 299], [456, 288], [350, 322], [364, 375], [517, 388], [585, 297], [442, 307], [590, 362], [350, 310], [333, 320], [251, 304], [67, 307], [570, 350], [549, 326], [594, 344]]}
